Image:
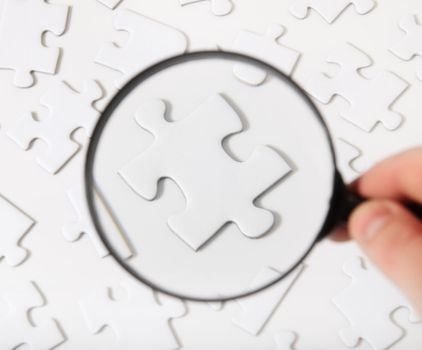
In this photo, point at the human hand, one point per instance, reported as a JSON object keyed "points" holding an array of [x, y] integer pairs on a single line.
{"points": [[388, 233]]}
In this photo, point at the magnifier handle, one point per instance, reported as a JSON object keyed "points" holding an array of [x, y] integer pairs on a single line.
{"points": [[353, 200]]}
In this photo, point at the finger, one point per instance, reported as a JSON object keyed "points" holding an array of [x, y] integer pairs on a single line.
{"points": [[396, 178], [340, 234], [392, 239]]}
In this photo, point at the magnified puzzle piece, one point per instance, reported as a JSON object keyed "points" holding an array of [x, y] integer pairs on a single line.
{"points": [[22, 25], [218, 189], [329, 9], [370, 100]]}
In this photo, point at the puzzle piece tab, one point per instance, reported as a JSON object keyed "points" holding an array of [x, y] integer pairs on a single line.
{"points": [[68, 111], [265, 48], [16, 327], [368, 304], [370, 99], [330, 10], [149, 42], [257, 309], [15, 224], [218, 7], [286, 340], [218, 189], [139, 321], [22, 25], [411, 45]]}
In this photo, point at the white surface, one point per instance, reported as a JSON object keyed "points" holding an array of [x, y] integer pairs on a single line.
{"points": [[218, 7], [22, 25], [68, 272]]}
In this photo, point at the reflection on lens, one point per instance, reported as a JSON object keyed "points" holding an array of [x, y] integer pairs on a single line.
{"points": [[213, 183]]}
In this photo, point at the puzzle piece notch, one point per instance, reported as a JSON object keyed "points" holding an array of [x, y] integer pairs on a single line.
{"points": [[138, 321], [149, 42], [370, 100], [111, 4], [16, 326], [368, 314], [15, 225], [330, 10], [218, 189], [256, 310], [265, 48], [68, 111], [286, 340], [218, 7], [347, 155], [22, 26]]}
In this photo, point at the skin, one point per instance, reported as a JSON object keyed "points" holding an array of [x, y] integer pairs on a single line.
{"points": [[387, 232]]}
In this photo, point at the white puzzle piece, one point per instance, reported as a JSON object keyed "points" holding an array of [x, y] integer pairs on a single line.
{"points": [[265, 48], [111, 4], [369, 100], [257, 309], [68, 111], [15, 224], [140, 321], [368, 304], [411, 44], [330, 10], [84, 225], [22, 25], [218, 7], [149, 42], [17, 327], [218, 189], [286, 340], [346, 156]]}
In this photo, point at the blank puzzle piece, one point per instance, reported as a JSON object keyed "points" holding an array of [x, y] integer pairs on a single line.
{"points": [[411, 45], [286, 340], [266, 48], [68, 112], [257, 309], [218, 7], [111, 4], [22, 26], [16, 326], [347, 154], [329, 9], [139, 321], [218, 189], [15, 224], [369, 100], [149, 42], [368, 304]]}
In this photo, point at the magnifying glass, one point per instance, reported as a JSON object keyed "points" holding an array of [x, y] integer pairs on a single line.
{"points": [[213, 180]]}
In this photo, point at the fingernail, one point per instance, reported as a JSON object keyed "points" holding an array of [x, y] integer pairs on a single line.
{"points": [[370, 219]]}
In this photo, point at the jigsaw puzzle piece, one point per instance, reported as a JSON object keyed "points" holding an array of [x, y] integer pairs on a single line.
{"points": [[265, 48], [68, 111], [286, 340], [138, 321], [347, 154], [22, 26], [16, 326], [330, 10], [15, 224], [218, 7], [218, 189], [111, 4], [257, 309], [368, 313], [149, 42], [370, 99]]}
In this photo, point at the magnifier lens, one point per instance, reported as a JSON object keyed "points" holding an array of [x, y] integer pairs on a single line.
{"points": [[209, 178]]}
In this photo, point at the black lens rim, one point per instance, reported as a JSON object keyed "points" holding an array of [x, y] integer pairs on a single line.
{"points": [[338, 184]]}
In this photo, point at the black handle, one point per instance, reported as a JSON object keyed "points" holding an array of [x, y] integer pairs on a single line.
{"points": [[352, 201]]}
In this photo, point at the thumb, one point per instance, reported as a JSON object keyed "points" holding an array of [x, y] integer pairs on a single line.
{"points": [[392, 238]]}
